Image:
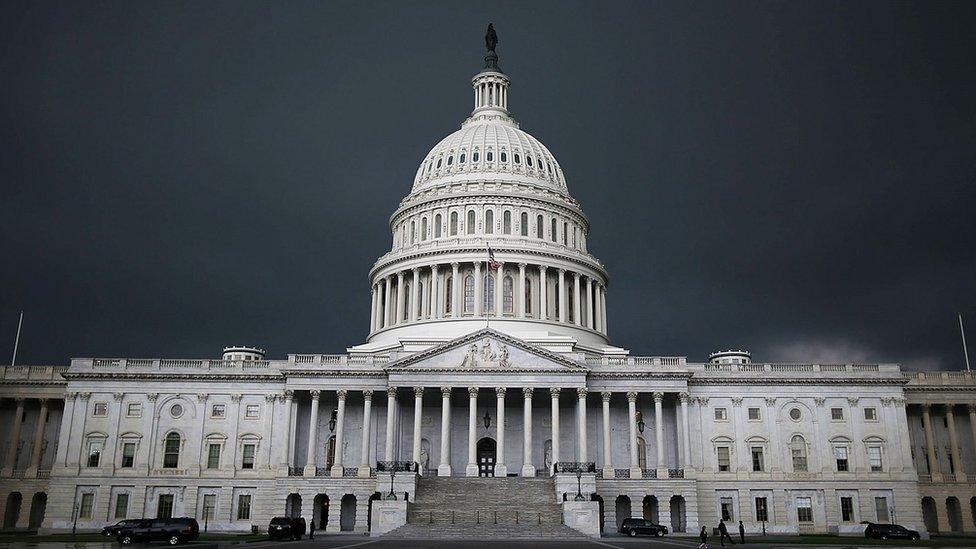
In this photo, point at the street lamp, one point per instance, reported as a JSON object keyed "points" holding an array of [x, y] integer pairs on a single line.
{"points": [[487, 420], [74, 519], [332, 420], [579, 482], [640, 421], [392, 494]]}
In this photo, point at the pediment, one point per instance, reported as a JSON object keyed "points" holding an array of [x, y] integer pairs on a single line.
{"points": [[486, 351]]}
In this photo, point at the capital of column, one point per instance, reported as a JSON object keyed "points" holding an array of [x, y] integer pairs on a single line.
{"points": [[737, 401], [581, 392], [684, 398], [522, 266], [632, 396], [971, 408], [341, 393], [473, 392], [542, 269], [399, 276], [418, 392], [527, 392], [853, 401], [415, 270], [500, 392], [576, 275], [117, 397], [926, 407], [288, 395], [605, 396], [315, 394], [455, 265], [434, 268], [562, 271], [82, 396], [658, 397], [445, 392], [391, 392], [554, 391], [770, 401], [368, 394]]}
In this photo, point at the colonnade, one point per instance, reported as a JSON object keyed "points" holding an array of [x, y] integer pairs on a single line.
{"points": [[37, 446], [935, 469], [444, 291]]}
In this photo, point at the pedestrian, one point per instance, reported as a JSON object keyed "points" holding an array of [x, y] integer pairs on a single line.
{"points": [[742, 533], [704, 539], [723, 533], [311, 530]]}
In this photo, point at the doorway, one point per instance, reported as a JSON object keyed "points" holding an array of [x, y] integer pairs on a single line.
{"points": [[486, 457]]}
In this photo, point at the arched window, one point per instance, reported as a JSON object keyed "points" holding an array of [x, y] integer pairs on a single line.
{"points": [[489, 297], [488, 156], [406, 302], [524, 224], [517, 159], [508, 305], [470, 225], [469, 294], [171, 451], [552, 235], [528, 159], [437, 226], [507, 222], [413, 231], [641, 453], [489, 222], [461, 160], [474, 156], [448, 292], [420, 300], [570, 306], [539, 227], [439, 163], [423, 229], [798, 451], [565, 230], [403, 238], [504, 156], [450, 160], [454, 222], [528, 296]]}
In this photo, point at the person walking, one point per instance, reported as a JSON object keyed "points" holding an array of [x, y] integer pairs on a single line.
{"points": [[704, 539], [742, 533], [311, 529], [723, 533]]}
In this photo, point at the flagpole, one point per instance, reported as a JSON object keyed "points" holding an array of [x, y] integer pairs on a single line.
{"points": [[487, 302], [13, 361], [962, 332]]}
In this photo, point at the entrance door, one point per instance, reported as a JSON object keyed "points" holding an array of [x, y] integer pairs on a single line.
{"points": [[486, 457]]}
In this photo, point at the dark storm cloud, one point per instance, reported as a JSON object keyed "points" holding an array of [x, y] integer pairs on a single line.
{"points": [[792, 178]]}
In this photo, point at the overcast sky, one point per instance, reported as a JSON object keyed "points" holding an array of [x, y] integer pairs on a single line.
{"points": [[794, 178]]}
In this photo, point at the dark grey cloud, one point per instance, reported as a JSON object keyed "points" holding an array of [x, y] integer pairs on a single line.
{"points": [[796, 179]]}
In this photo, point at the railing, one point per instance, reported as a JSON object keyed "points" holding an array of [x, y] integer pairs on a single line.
{"points": [[171, 364], [948, 477], [636, 360], [621, 473], [574, 466], [337, 360], [676, 473], [296, 471], [388, 466], [795, 368], [924, 477], [941, 378], [649, 473], [26, 372]]}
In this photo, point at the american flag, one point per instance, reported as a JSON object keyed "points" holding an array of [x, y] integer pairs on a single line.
{"points": [[492, 264]]}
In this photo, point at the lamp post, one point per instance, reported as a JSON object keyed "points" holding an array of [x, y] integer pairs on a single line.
{"points": [[640, 421], [579, 482], [74, 519], [332, 420], [392, 494], [487, 420]]}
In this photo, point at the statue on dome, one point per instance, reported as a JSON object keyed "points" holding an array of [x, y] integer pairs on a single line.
{"points": [[491, 39]]}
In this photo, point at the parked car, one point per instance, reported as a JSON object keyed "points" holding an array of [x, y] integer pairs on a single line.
{"points": [[114, 529], [173, 531], [286, 528], [889, 531], [634, 526]]}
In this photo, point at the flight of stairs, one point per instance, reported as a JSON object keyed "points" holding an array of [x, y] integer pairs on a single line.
{"points": [[484, 508]]}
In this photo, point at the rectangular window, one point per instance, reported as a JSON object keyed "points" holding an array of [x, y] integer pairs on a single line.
{"points": [[762, 510], [723, 458], [727, 510], [247, 459], [165, 507], [128, 454], [881, 508], [87, 502], [840, 455], [134, 409], [721, 414], [757, 458], [847, 509], [209, 506], [121, 506], [874, 458], [244, 507], [804, 509], [218, 411], [253, 411], [213, 456], [870, 414], [100, 409], [837, 414], [754, 414], [95, 452]]}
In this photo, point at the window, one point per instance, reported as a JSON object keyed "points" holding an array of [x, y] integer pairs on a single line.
{"points": [[870, 414], [121, 506], [565, 232], [165, 507], [488, 156], [524, 224], [450, 160], [723, 458], [804, 509], [213, 456], [218, 411], [437, 226], [474, 156], [721, 414], [95, 452], [762, 510], [87, 502], [552, 230], [244, 507], [134, 409], [247, 459], [439, 163], [448, 295], [539, 227], [518, 160], [461, 160], [727, 509], [508, 297], [840, 456], [423, 229], [847, 509], [128, 454], [454, 223], [757, 458], [504, 156], [881, 508], [489, 222], [171, 451], [798, 452], [528, 160], [837, 414], [176, 410], [469, 294], [528, 296], [874, 458], [470, 226], [413, 231], [99, 410], [754, 414], [507, 222], [209, 505], [795, 414], [252, 411], [488, 304]]}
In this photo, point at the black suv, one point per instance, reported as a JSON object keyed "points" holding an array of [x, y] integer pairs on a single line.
{"points": [[633, 526], [173, 531], [113, 530], [286, 528], [889, 531]]}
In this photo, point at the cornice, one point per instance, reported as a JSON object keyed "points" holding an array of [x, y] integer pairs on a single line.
{"points": [[940, 388], [194, 376], [484, 196], [596, 374], [46, 382], [385, 261], [797, 381], [334, 373]]}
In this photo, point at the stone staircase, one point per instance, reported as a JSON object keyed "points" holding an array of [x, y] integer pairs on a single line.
{"points": [[484, 508]]}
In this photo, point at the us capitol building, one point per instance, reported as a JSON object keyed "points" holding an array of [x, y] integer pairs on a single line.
{"points": [[487, 394]]}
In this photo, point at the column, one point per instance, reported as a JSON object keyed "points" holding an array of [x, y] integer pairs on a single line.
{"points": [[390, 418], [499, 281], [686, 433], [520, 298], [659, 432], [603, 309], [364, 466], [954, 444], [543, 311], [528, 469], [971, 408], [292, 427], [635, 470], [313, 431], [418, 408], [387, 302], [479, 290], [930, 444], [455, 291], [414, 312], [340, 420], [398, 313], [562, 295], [589, 303], [10, 462], [501, 470], [472, 469], [607, 460], [444, 469], [436, 309], [577, 319], [285, 453], [581, 422], [554, 395], [35, 461], [372, 312]]}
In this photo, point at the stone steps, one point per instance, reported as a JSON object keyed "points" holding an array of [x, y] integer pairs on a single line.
{"points": [[485, 531]]}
